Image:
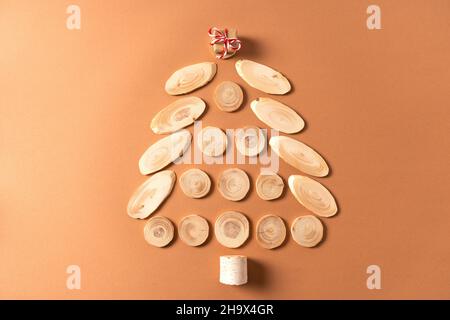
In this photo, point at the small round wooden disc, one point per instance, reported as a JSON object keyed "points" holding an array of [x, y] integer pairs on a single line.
{"points": [[233, 184], [232, 229], [307, 231], [269, 186], [228, 96], [212, 141], [193, 230], [158, 231], [270, 231], [195, 183]]}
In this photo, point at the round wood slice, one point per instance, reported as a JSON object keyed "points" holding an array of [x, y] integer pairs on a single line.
{"points": [[270, 231], [231, 229], [193, 230], [158, 231], [307, 231]]}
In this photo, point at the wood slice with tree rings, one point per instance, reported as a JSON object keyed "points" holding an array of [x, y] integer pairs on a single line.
{"points": [[189, 78], [270, 231], [262, 77], [233, 184], [232, 229], [193, 230], [299, 155], [277, 115], [177, 115], [228, 96], [269, 186], [313, 195], [307, 231], [195, 183], [151, 194], [158, 231], [250, 141], [164, 151], [212, 141]]}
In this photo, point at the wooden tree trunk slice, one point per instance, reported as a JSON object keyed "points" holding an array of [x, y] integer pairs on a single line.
{"points": [[177, 115], [195, 183], [307, 231], [262, 77], [270, 231], [212, 141], [299, 155], [158, 231], [151, 194], [250, 141], [277, 115], [193, 230], [190, 78], [233, 184], [165, 151], [313, 195], [269, 186], [232, 229], [228, 96]]}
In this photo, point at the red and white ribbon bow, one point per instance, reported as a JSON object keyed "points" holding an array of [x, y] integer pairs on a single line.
{"points": [[230, 45]]}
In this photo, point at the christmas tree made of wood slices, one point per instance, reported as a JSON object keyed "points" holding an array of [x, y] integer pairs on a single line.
{"points": [[232, 227]]}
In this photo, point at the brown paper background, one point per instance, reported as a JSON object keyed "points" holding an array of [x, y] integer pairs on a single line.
{"points": [[75, 108]]}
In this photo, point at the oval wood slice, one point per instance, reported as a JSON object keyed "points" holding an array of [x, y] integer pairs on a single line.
{"points": [[313, 195], [228, 96], [195, 183], [307, 231], [262, 77], [270, 231], [193, 230], [277, 115], [269, 186], [177, 115], [299, 155], [191, 77], [164, 151], [151, 194], [158, 231], [233, 184], [231, 229]]}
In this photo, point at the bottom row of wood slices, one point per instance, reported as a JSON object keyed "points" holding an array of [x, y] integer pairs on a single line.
{"points": [[232, 230]]}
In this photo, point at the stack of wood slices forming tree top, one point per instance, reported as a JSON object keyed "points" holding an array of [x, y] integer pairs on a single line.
{"points": [[231, 228]]}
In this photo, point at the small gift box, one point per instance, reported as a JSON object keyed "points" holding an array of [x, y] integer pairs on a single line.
{"points": [[224, 42]]}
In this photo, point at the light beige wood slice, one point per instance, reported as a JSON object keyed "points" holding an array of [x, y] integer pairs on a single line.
{"points": [[165, 151], [262, 77], [212, 141], [228, 96], [191, 77], [313, 195], [233, 184], [151, 194], [307, 231], [269, 186], [250, 141], [193, 230], [270, 231], [277, 115], [232, 229], [195, 183], [158, 231], [177, 115], [299, 155]]}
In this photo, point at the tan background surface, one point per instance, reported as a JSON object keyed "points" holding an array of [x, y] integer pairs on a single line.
{"points": [[75, 108]]}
